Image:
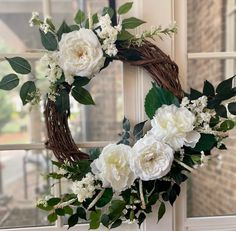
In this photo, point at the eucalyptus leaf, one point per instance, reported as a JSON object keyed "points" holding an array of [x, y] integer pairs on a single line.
{"points": [[64, 28], [54, 201], [109, 11], [19, 65], [73, 220], [79, 17], [106, 198], [80, 81], [9, 82], [161, 211], [49, 40], [81, 213], [26, 91], [82, 96], [138, 130], [124, 35], [60, 211]]}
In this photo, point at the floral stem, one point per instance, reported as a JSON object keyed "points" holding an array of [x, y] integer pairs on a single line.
{"points": [[96, 199], [184, 165], [143, 205], [66, 203]]}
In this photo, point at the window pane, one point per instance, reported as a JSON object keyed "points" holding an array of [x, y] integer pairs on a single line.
{"points": [[211, 190], [16, 34], [211, 25], [21, 184]]}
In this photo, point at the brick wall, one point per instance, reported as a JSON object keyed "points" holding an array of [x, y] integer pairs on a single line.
{"points": [[211, 190]]}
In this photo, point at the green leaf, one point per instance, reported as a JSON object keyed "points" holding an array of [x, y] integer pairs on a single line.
{"points": [[26, 90], [73, 220], [52, 217], [125, 8], [80, 81], [227, 125], [81, 213], [161, 211], [225, 86], [19, 65], [116, 224], [208, 89], [9, 82], [141, 218], [56, 163], [45, 208], [126, 124], [221, 111], [206, 143], [63, 101], [131, 23], [54, 201], [194, 94], [48, 40], [109, 11], [64, 28], [124, 35], [95, 219], [79, 17], [138, 130], [94, 153], [157, 97], [105, 220], [68, 210], [153, 198], [106, 198], [74, 27], [60, 211], [116, 208], [82, 96], [232, 108]]}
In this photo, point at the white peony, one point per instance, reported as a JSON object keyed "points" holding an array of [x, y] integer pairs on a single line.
{"points": [[80, 53], [152, 159], [112, 167], [174, 126]]}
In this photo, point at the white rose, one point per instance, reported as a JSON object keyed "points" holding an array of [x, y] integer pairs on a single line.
{"points": [[152, 159], [174, 126], [80, 53], [112, 167]]}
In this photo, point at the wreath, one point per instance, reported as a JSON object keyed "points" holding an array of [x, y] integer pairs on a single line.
{"points": [[123, 181]]}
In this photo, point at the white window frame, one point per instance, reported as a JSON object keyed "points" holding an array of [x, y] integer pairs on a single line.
{"points": [[182, 222]]}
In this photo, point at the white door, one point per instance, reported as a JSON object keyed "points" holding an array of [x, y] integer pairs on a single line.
{"points": [[136, 83]]}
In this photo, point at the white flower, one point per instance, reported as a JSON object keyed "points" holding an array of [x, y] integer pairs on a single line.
{"points": [[61, 171], [185, 102], [80, 53], [151, 159], [34, 19], [112, 167], [85, 188], [174, 126]]}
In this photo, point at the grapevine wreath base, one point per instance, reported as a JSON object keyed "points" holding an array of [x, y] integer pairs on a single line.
{"points": [[123, 181]]}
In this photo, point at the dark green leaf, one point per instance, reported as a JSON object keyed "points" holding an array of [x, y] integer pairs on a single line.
{"points": [[157, 97], [73, 220], [126, 124], [161, 211], [194, 94], [64, 28], [80, 81], [109, 11], [106, 198], [116, 224], [79, 17], [214, 121], [48, 40], [60, 211], [95, 219], [94, 153], [81, 213], [138, 130], [208, 89], [124, 35], [63, 101], [206, 143], [68, 210], [131, 23], [227, 125], [19, 65], [105, 220], [74, 27], [9, 82], [45, 208], [116, 208], [141, 218], [52, 217], [153, 199], [221, 111], [56, 163], [54, 201], [125, 8], [126, 195], [82, 96], [26, 91], [225, 86], [232, 108]]}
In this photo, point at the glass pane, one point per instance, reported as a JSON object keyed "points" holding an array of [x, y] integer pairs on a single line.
{"points": [[211, 189], [16, 34], [21, 184], [211, 25]]}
